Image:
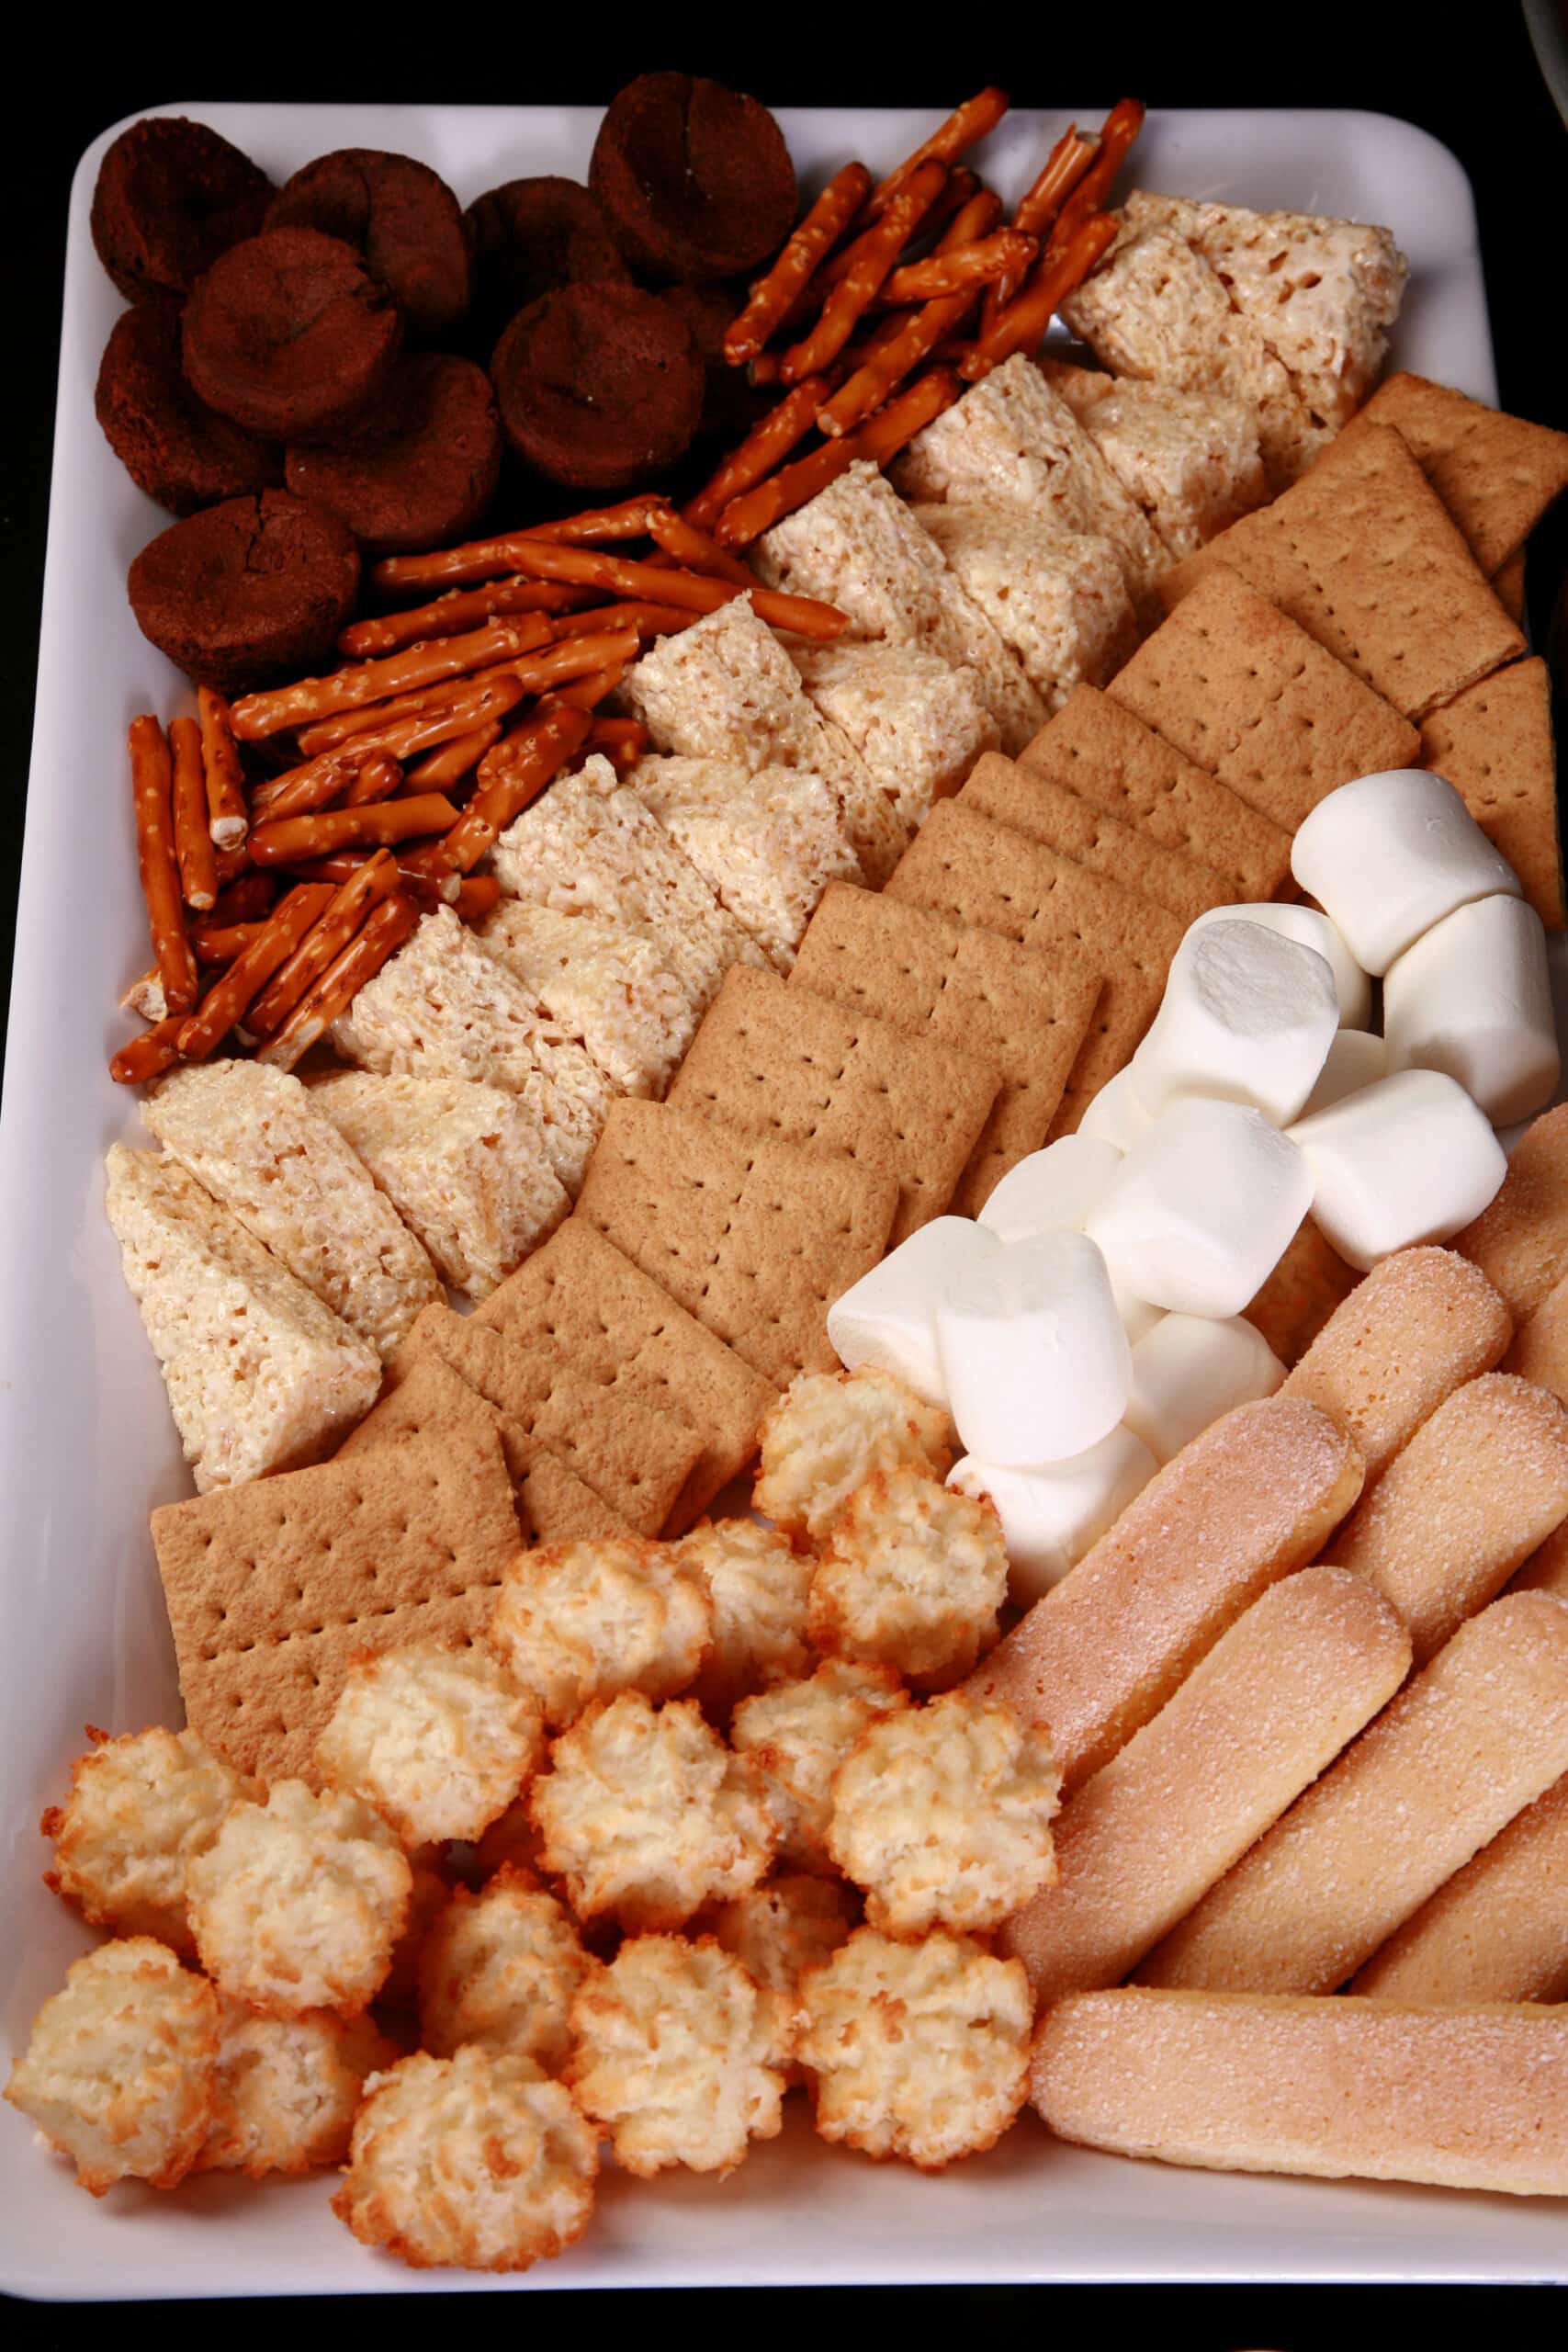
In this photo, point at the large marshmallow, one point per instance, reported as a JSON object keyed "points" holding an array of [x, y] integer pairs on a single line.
{"points": [[1051, 1191], [1392, 854], [1474, 998], [1115, 1115], [1309, 927], [887, 1319], [1051, 1517], [1247, 1016], [1202, 1210], [1189, 1371], [1033, 1356], [1356, 1059], [1138, 1315], [1409, 1159]]}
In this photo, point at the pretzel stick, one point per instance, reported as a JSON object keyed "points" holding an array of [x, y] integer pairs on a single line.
{"points": [[760, 451], [383, 933], [623, 741], [337, 924], [1117, 132], [804, 615], [320, 779], [232, 993], [1021, 326], [879, 438], [144, 997], [193, 853], [439, 890], [683, 540], [773, 296], [151, 782], [247, 900], [511, 776], [226, 819], [376, 825], [962, 187], [370, 682], [461, 608], [477, 894], [343, 731], [149, 1055], [486, 559], [451, 763], [1036, 209], [898, 353], [586, 694], [968, 267], [649, 620], [973, 120], [850, 299], [376, 778], [231, 863], [217, 944]]}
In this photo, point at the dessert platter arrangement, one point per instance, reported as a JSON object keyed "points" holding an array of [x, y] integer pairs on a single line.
{"points": [[836, 1135]]}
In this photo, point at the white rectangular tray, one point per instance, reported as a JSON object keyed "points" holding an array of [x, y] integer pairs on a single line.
{"points": [[87, 1446]]}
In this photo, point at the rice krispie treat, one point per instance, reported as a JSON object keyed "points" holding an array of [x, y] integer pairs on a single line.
{"points": [[476, 2160], [1057, 597], [298, 1902], [829, 1430], [500, 1968], [758, 1586], [647, 1815], [288, 2090], [579, 1621], [679, 2055], [918, 722], [120, 2066], [785, 1925], [916, 2050], [139, 1808], [943, 1814], [438, 1740], [609, 987], [798, 1734], [912, 1576], [768, 841], [1191, 460]]}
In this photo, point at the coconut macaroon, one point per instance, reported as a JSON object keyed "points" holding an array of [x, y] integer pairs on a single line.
{"points": [[943, 1814], [829, 1430], [920, 2051], [1057, 597], [440, 1741], [768, 841], [758, 1586], [647, 1815], [785, 1925], [427, 1900], [1191, 460], [259, 1143], [918, 723], [478, 2161], [288, 2090], [498, 1968], [579, 1621], [141, 1807], [798, 1734], [607, 986], [298, 1902], [465, 1165], [679, 2055], [120, 2067], [912, 1576]]}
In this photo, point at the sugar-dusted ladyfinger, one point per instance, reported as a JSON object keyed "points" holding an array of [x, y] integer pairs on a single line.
{"points": [[1520, 1240]]}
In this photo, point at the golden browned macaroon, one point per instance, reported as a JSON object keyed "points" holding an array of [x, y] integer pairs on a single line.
{"points": [[912, 1576], [574, 1623], [827, 1434], [288, 2090], [498, 1968], [757, 1585], [140, 1809], [799, 1733], [440, 1741]]}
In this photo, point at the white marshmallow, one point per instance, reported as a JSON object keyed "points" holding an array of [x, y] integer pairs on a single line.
{"points": [[1201, 1210], [1474, 998], [1051, 1191], [1036, 1362], [1356, 1059], [1052, 1517], [1115, 1115], [1409, 1159], [1138, 1315], [1189, 1371], [1392, 854], [1309, 927], [1247, 1016], [887, 1319]]}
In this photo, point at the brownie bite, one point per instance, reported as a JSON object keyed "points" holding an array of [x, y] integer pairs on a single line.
{"points": [[599, 387], [248, 593], [423, 468], [531, 236], [178, 451], [401, 216], [292, 336], [696, 179], [170, 196]]}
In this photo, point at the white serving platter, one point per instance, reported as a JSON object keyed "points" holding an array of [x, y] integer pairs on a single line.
{"points": [[87, 1446]]}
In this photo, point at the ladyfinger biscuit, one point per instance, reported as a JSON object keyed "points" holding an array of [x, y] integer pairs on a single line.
{"points": [[1478, 1487], [1546, 1570], [1255, 1723], [1540, 1351], [1467, 1745], [1254, 1497], [1520, 1239], [1498, 1931], [1419, 1324], [1466, 2098]]}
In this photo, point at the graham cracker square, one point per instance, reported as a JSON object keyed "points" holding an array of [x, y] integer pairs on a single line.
{"points": [[1494, 745], [1034, 803], [1497, 474]]}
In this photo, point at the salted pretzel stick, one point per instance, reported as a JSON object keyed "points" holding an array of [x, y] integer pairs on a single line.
{"points": [[338, 923], [514, 773], [649, 620], [488, 558], [536, 674], [383, 933], [217, 944], [688, 544], [773, 296], [194, 852], [1023, 324], [879, 438], [376, 825], [898, 353], [147, 1056], [371, 682], [343, 731], [246, 899], [623, 741], [1036, 209], [804, 615], [962, 187], [227, 820], [151, 778], [878, 255], [233, 992], [1117, 133], [477, 895], [451, 762], [760, 451], [966, 124], [587, 694], [321, 778], [440, 890], [963, 269], [461, 608], [231, 863], [376, 778]]}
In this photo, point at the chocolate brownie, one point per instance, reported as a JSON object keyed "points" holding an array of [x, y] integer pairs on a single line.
{"points": [[180, 453], [421, 471], [400, 215], [732, 404], [696, 179], [290, 336], [171, 196], [599, 385], [530, 237], [248, 593]]}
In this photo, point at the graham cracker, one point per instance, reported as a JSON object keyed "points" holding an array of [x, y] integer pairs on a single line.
{"points": [[1096, 748], [937, 978], [1497, 474], [962, 865], [1308, 1285], [1234, 685], [755, 1237], [1033, 803], [1508, 586], [1494, 744], [776, 1060], [275, 1587]]}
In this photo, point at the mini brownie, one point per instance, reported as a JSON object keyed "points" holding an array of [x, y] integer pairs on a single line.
{"points": [[530, 237], [422, 471], [178, 451], [171, 196], [732, 404], [247, 593], [400, 215], [290, 336], [696, 179], [599, 385]]}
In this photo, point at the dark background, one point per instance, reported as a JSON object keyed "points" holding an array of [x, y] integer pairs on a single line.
{"points": [[1465, 73]]}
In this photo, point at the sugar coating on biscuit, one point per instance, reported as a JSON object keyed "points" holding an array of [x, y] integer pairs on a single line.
{"points": [[912, 1576], [943, 1814], [605, 985], [120, 2066], [647, 1815], [919, 722], [476, 2161], [1057, 597], [768, 841], [579, 1621], [679, 2055], [139, 1808], [298, 1902], [438, 1740], [498, 1968], [916, 2050], [288, 2090], [785, 1925], [758, 1586], [799, 1733], [829, 1430]]}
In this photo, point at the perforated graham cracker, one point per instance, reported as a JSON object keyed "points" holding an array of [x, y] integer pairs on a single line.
{"points": [[275, 1587], [1495, 474], [777, 1060], [1237, 687], [755, 1237], [942, 979], [1494, 745], [1508, 586], [1033, 803]]}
